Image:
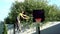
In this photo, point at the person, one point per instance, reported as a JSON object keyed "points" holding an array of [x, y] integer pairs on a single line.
{"points": [[21, 16]]}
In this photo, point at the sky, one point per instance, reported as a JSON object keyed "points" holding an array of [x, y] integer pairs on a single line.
{"points": [[54, 2], [5, 8], [6, 4]]}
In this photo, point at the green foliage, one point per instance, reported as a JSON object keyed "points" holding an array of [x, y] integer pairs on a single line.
{"points": [[51, 12]]}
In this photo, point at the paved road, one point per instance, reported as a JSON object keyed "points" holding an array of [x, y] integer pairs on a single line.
{"points": [[52, 30]]}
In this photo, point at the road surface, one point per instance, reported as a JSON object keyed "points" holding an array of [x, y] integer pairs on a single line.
{"points": [[52, 30]]}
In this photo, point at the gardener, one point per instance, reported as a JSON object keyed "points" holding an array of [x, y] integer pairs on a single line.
{"points": [[20, 17]]}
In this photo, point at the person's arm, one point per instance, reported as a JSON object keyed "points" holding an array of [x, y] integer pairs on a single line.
{"points": [[24, 16]]}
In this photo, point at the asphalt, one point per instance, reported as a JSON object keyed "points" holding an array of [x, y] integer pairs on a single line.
{"points": [[51, 30]]}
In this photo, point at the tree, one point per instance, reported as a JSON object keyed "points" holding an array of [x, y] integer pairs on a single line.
{"points": [[51, 12]]}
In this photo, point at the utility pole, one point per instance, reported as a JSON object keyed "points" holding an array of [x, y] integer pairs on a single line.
{"points": [[14, 28]]}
